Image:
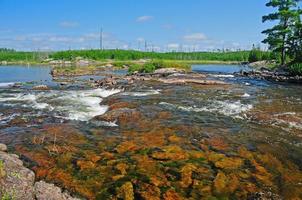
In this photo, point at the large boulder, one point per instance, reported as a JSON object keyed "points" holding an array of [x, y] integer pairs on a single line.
{"points": [[17, 181]]}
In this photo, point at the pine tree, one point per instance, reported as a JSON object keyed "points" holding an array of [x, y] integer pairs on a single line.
{"points": [[295, 40], [279, 37]]}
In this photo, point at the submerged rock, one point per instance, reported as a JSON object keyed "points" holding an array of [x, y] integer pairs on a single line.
{"points": [[46, 191], [126, 191]]}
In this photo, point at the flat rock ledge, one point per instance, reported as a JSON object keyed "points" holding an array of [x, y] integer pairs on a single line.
{"points": [[18, 182]]}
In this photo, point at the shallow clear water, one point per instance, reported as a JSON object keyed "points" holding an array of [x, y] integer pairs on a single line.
{"points": [[9, 74], [254, 124], [223, 69]]}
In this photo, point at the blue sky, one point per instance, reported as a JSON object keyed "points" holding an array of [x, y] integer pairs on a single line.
{"points": [[164, 24]]}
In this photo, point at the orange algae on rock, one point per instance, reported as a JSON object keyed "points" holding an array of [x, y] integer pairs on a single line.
{"points": [[122, 167], [172, 195], [174, 139], [126, 191], [186, 175], [218, 144], [149, 192], [220, 183], [229, 163], [85, 165], [262, 175], [171, 153], [126, 147]]}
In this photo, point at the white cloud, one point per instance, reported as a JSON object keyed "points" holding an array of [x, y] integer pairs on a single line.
{"points": [[195, 37], [60, 39], [144, 18], [173, 46], [69, 24]]}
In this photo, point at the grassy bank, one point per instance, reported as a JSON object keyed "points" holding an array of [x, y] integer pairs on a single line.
{"points": [[239, 56]]}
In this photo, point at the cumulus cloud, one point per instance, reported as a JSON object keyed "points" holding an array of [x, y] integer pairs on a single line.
{"points": [[69, 24], [60, 42], [144, 18], [195, 37]]}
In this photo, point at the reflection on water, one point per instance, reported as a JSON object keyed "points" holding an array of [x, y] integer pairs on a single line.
{"points": [[222, 69], [158, 141]]}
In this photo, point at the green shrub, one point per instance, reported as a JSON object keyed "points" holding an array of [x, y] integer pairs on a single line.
{"points": [[134, 68], [296, 69]]}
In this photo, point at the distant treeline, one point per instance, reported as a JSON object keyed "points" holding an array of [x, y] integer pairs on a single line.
{"points": [[15, 56], [239, 56]]}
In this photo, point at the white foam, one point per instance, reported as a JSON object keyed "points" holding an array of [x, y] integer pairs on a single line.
{"points": [[142, 94], [106, 124], [73, 105], [4, 85], [232, 109], [245, 95], [223, 75]]}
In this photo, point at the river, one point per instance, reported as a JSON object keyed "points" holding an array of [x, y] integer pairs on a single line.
{"points": [[237, 141]]}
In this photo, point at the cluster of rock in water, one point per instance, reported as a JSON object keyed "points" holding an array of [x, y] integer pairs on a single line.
{"points": [[145, 160]]}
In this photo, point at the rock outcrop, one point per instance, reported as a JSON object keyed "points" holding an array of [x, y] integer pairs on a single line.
{"points": [[18, 182]]}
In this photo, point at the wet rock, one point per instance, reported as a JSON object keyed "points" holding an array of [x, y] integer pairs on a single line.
{"points": [[107, 82], [3, 147], [191, 81], [122, 116], [276, 76], [46, 191]]}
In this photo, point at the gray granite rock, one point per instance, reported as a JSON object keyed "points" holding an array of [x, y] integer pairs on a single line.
{"points": [[3, 147], [47, 191]]}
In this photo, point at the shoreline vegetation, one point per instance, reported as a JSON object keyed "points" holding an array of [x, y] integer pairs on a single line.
{"points": [[131, 58]]}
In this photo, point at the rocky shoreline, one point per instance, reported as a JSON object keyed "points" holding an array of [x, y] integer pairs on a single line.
{"points": [[18, 182], [167, 76]]}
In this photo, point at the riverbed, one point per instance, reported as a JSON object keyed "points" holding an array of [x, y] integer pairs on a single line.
{"points": [[238, 141]]}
